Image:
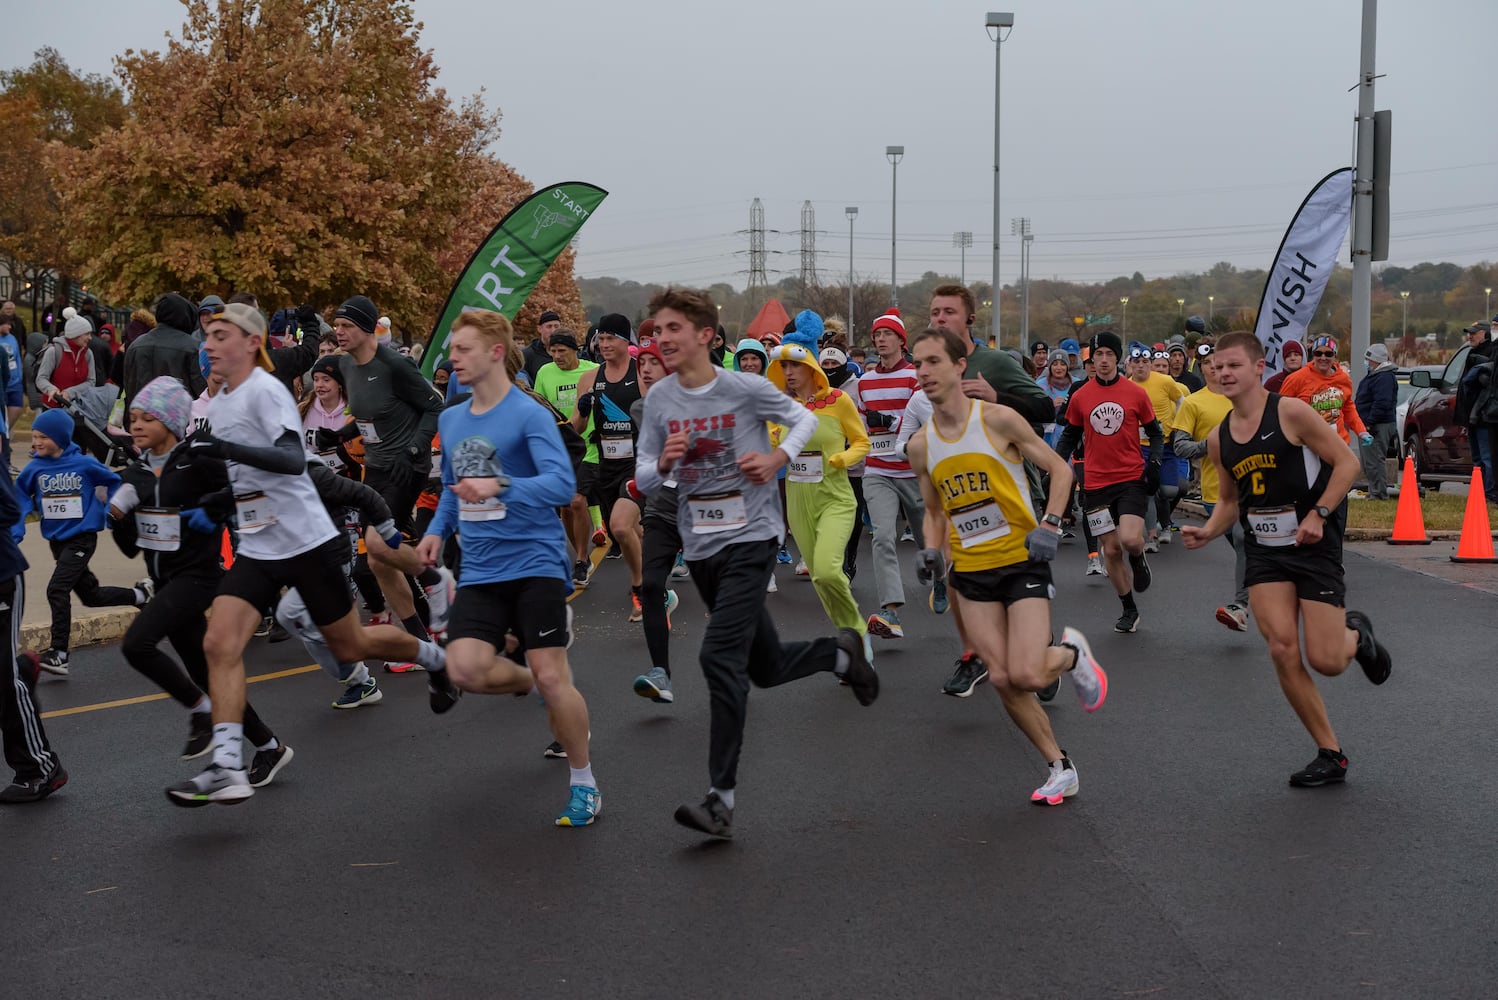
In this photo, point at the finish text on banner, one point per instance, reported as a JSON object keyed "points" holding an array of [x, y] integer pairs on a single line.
{"points": [[1303, 265]]}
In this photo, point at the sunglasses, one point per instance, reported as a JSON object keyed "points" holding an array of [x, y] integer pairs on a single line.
{"points": [[1323, 354]]}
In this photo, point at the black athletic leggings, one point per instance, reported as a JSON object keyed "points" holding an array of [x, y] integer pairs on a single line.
{"points": [[850, 554], [657, 558], [176, 613]]}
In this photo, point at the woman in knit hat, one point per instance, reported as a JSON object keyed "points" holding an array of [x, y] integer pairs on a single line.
{"points": [[750, 357], [324, 408], [820, 503], [158, 511], [67, 363]]}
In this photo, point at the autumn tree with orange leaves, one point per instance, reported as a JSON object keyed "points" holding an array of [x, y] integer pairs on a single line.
{"points": [[296, 149]]}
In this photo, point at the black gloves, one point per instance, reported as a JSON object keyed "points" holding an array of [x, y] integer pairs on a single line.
{"points": [[882, 421], [1151, 478]]}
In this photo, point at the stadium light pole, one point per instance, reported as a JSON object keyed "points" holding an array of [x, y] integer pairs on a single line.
{"points": [[1125, 301], [1404, 327], [962, 241], [852, 213], [995, 23], [1487, 303], [1180, 308], [1211, 301], [894, 154]]}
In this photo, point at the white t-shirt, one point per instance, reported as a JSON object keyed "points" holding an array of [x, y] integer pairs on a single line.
{"points": [[280, 516]]}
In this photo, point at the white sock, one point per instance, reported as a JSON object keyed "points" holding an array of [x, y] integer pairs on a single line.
{"points": [[843, 662], [431, 656], [140, 597], [203, 707], [228, 745], [726, 797], [358, 674], [583, 776], [271, 745]]}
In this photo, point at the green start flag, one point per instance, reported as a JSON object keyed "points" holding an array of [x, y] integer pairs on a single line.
{"points": [[505, 268]]}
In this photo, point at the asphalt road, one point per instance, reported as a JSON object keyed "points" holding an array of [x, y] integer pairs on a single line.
{"points": [[880, 852]]}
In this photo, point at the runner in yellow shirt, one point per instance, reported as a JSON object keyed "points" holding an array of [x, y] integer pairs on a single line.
{"points": [[1165, 395]]}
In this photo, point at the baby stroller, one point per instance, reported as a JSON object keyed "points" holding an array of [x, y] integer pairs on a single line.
{"points": [[89, 407]]}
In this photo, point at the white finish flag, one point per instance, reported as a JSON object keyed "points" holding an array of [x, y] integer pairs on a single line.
{"points": [[1303, 265]]}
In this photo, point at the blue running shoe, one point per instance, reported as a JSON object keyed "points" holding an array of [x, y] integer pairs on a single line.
{"points": [[583, 808], [938, 599], [783, 556]]}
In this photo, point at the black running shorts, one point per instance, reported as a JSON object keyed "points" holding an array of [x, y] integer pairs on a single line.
{"points": [[1120, 498], [610, 487], [317, 575], [400, 499], [1006, 584], [587, 480], [533, 607]]}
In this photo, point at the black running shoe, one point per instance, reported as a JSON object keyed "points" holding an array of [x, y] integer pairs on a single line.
{"points": [[444, 694], [268, 763], [277, 633], [712, 817], [615, 552], [1371, 655], [1128, 621], [1328, 767], [860, 673], [199, 735], [34, 789], [580, 572], [1048, 693], [263, 629], [1141, 567], [971, 671], [554, 751]]}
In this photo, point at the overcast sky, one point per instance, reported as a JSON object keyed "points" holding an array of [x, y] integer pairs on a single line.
{"points": [[1155, 135]]}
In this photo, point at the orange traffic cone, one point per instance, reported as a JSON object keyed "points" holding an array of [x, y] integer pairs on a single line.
{"points": [[226, 551], [1476, 543], [1409, 522]]}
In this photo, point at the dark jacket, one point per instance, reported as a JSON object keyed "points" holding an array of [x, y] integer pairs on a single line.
{"points": [[1377, 396], [12, 563], [293, 362], [185, 482], [103, 358], [1467, 389], [536, 357], [167, 350]]}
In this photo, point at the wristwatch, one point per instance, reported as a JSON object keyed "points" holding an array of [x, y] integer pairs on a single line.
{"points": [[1054, 520], [1325, 512]]}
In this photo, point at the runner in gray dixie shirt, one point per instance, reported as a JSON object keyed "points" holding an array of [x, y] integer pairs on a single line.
{"points": [[704, 430]]}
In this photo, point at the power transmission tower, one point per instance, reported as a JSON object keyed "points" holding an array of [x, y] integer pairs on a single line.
{"points": [[808, 247], [759, 285]]}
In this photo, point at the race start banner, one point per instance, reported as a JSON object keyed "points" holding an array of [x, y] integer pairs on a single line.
{"points": [[506, 267], [1303, 266]]}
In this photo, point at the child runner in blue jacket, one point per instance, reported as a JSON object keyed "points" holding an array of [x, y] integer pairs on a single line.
{"points": [[69, 490]]}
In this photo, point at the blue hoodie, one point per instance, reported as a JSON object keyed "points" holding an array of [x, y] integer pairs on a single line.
{"points": [[65, 490]]}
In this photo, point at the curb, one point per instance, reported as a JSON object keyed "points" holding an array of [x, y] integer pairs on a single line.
{"points": [[96, 629]]}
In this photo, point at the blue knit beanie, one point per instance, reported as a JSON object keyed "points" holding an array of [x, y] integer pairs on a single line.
{"points": [[55, 424], [808, 332]]}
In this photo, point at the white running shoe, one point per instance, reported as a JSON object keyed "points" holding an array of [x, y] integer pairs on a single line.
{"points": [[223, 785], [1234, 616], [1166, 536], [440, 600], [1087, 677], [801, 569], [1060, 784], [1152, 544], [1095, 566], [680, 571], [772, 588]]}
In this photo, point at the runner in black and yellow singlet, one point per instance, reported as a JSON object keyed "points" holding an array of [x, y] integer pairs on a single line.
{"points": [[1291, 472], [968, 460]]}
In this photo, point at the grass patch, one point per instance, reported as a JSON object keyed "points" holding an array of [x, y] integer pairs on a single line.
{"points": [[1443, 512]]}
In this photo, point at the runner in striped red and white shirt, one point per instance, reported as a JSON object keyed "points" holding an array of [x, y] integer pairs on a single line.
{"points": [[889, 485]]}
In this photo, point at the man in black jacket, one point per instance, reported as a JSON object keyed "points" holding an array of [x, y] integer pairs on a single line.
{"points": [[168, 349], [537, 353], [1479, 436], [1377, 396]]}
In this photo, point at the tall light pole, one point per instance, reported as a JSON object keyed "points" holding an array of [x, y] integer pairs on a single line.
{"points": [[1180, 308], [894, 154], [1211, 301], [1487, 303], [995, 23], [1125, 301], [1404, 327], [962, 241], [852, 213]]}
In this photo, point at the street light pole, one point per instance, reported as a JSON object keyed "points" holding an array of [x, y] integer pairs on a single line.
{"points": [[852, 213], [1021, 227], [962, 241], [1125, 301], [1487, 303], [997, 21], [1404, 326], [1211, 299], [894, 154], [1180, 308]]}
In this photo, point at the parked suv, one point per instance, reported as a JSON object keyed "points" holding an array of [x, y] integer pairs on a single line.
{"points": [[1432, 436]]}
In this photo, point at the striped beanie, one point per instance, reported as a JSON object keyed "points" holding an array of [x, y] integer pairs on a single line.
{"points": [[889, 321]]}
